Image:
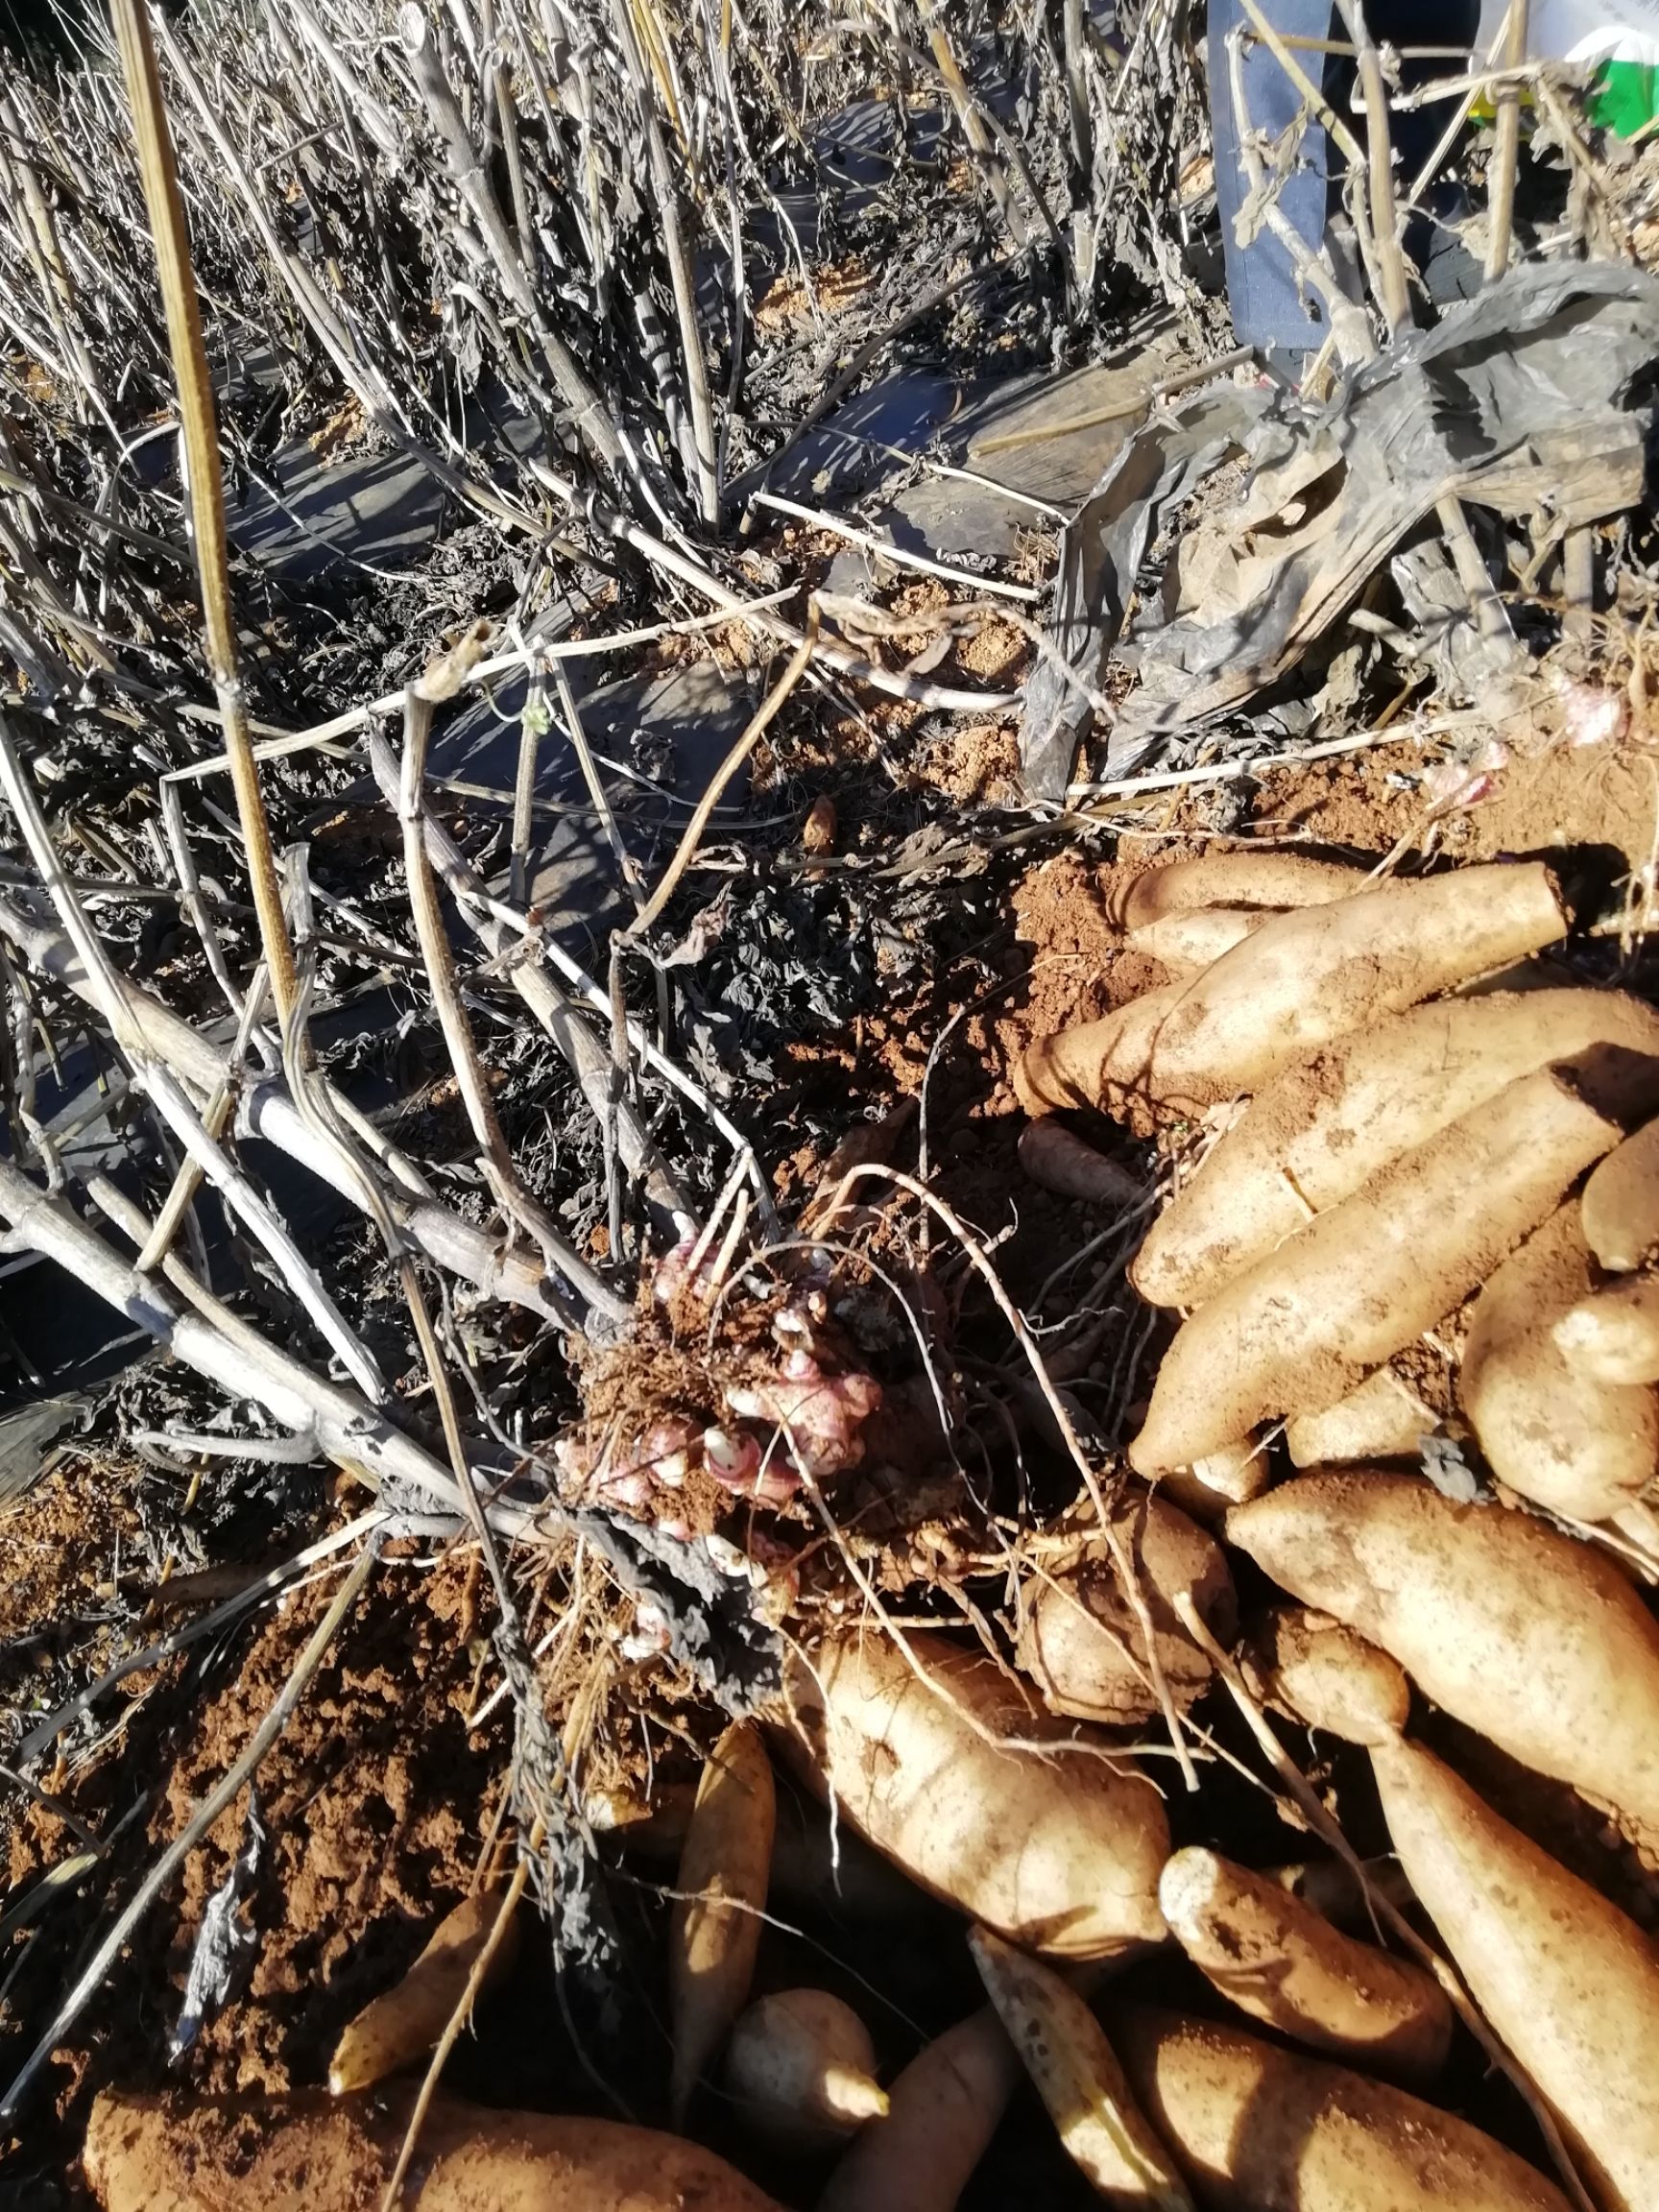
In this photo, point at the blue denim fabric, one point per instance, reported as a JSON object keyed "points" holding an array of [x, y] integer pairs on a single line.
{"points": [[1268, 310]]}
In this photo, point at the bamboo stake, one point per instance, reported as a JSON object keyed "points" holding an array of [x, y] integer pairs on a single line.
{"points": [[205, 483], [1506, 144]]}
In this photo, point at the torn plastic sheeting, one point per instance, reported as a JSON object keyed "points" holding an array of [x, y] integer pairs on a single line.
{"points": [[225, 1944], [1511, 403], [1101, 551], [1446, 638]]}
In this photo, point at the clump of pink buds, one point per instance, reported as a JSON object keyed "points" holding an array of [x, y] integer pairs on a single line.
{"points": [[1593, 714], [1453, 786], [821, 1416], [630, 1478], [799, 1418]]}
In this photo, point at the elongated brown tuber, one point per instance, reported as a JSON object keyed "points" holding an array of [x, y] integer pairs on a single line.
{"points": [[1622, 1203], [1318, 1132], [1534, 1639], [1298, 981], [1196, 937], [1329, 1677], [980, 1795], [1567, 1981], [1276, 1959], [942, 2112], [313, 2153], [715, 1929], [1062, 1162], [1078, 2077], [1255, 2127], [1305, 1326], [800, 2069], [1081, 1640], [1556, 1434], [1612, 1336], [1382, 1419], [1240, 879], [403, 2024]]}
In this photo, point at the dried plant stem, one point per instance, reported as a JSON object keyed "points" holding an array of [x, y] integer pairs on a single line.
{"points": [[625, 867], [503, 935], [1389, 261], [1074, 33], [680, 273], [206, 490], [226, 1350], [377, 397], [1392, 292], [1319, 106], [355, 97], [1578, 581], [267, 1111], [980, 143], [532, 721], [535, 654], [511, 1899], [472, 181], [440, 681], [901, 555], [760, 722], [215, 1120], [167, 1094], [1348, 324]]}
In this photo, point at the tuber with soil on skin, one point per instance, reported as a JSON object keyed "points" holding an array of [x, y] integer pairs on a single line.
{"points": [[800, 2070], [1245, 880], [983, 1798], [310, 2153], [403, 2024], [1300, 980], [1327, 1677], [1612, 1336], [1306, 1323], [1051, 1156], [1571, 1442], [720, 1896], [1078, 2077], [1193, 938], [1318, 1132], [1257, 2129], [1277, 1959], [942, 2112], [1082, 1643], [1570, 1984], [1527, 1635], [1621, 1204], [1383, 1419], [1230, 1477]]}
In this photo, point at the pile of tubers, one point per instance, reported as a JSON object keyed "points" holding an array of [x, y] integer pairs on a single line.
{"points": [[1423, 1137]]}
